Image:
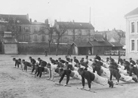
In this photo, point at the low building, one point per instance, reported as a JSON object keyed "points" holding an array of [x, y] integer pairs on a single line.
{"points": [[116, 46], [81, 48], [9, 44], [97, 45]]}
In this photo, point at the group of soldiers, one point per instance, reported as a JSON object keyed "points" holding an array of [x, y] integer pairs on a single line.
{"points": [[66, 67]]}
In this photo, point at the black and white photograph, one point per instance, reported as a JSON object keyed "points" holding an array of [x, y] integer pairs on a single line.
{"points": [[69, 49]]}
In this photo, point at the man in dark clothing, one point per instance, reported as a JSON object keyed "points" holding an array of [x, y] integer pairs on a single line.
{"points": [[86, 75], [26, 64], [42, 63], [53, 61], [97, 67], [66, 72], [40, 68], [76, 60], [132, 62], [82, 60], [120, 61], [17, 62], [114, 71], [98, 57], [61, 60], [67, 58], [20, 61], [33, 62], [107, 59], [127, 67]]}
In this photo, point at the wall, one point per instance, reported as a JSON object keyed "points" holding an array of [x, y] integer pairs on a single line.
{"points": [[39, 48], [80, 35], [39, 38], [10, 49], [130, 36]]}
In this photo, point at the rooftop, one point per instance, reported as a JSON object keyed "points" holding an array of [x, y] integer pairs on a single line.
{"points": [[19, 19], [133, 12], [75, 25]]}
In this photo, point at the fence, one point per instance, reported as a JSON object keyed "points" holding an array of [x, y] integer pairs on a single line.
{"points": [[115, 52], [39, 48]]}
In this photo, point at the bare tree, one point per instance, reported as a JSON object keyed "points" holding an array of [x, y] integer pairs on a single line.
{"points": [[121, 34], [59, 35], [51, 30]]}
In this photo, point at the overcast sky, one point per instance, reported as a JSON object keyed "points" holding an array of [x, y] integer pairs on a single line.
{"points": [[105, 14]]}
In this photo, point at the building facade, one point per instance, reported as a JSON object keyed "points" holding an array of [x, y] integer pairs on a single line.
{"points": [[39, 32], [132, 34], [23, 30], [74, 31]]}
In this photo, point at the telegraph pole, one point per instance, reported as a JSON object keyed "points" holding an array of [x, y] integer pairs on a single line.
{"points": [[90, 15]]}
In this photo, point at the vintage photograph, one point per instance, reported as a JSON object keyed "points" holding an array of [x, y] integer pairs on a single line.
{"points": [[69, 49]]}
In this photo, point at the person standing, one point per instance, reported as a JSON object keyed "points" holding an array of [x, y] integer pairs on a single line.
{"points": [[114, 71], [45, 52]]}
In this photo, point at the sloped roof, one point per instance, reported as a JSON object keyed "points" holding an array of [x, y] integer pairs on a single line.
{"points": [[75, 25], [98, 37], [116, 44], [123, 41], [133, 12], [104, 43], [20, 19], [38, 23], [82, 44]]}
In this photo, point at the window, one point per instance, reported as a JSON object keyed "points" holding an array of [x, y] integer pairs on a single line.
{"points": [[43, 38], [27, 29], [132, 45], [35, 38], [137, 45], [137, 27], [132, 27]]}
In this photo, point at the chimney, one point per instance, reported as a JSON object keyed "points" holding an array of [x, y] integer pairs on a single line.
{"points": [[46, 21], [30, 20], [35, 20], [27, 16], [55, 21]]}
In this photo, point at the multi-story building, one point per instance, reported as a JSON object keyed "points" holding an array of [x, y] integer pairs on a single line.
{"points": [[74, 31], [23, 29], [132, 34], [39, 32], [17, 24]]}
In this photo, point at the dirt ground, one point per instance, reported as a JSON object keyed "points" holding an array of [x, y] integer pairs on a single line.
{"points": [[15, 83]]}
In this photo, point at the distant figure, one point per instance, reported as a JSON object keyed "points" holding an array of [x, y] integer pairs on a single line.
{"points": [[45, 52]]}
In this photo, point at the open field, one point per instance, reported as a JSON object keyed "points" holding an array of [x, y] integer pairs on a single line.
{"points": [[15, 83]]}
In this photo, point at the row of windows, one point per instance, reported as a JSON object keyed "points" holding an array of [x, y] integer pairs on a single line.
{"points": [[35, 38], [134, 27], [134, 45]]}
